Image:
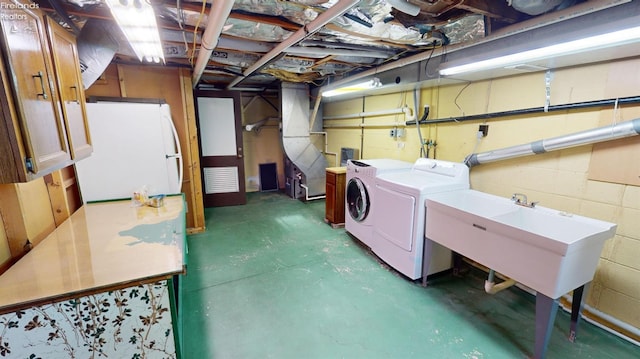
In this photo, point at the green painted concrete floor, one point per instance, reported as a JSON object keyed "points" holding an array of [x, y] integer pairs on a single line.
{"points": [[271, 280]]}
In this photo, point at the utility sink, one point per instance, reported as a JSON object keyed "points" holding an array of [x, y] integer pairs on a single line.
{"points": [[550, 251], [560, 232], [547, 250], [474, 203]]}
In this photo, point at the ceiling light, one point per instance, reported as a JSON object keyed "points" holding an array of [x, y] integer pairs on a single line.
{"points": [[611, 39], [367, 85], [138, 23]]}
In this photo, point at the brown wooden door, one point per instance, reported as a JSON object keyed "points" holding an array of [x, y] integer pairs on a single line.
{"points": [[221, 152], [35, 95], [67, 67]]}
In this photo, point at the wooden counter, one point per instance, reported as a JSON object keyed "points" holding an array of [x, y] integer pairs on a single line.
{"points": [[102, 246], [103, 282]]}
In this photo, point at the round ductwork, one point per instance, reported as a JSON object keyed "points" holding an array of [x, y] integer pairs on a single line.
{"points": [[534, 7], [96, 48]]}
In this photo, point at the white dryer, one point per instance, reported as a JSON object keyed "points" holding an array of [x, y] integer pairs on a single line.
{"points": [[360, 197], [398, 231]]}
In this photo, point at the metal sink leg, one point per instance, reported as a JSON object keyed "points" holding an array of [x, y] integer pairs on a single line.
{"points": [[546, 309]]}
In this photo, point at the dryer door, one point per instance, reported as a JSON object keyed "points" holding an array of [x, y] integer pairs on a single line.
{"points": [[357, 200]]}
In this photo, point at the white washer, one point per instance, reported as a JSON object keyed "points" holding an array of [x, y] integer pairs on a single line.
{"points": [[398, 232], [360, 196]]}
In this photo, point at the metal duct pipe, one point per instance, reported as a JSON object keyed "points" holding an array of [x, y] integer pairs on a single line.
{"points": [[296, 142], [331, 13], [217, 16], [599, 134]]}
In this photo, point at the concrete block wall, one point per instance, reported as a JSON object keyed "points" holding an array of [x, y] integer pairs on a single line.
{"points": [[557, 179]]}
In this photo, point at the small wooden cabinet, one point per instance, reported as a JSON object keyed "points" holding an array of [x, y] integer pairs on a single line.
{"points": [[66, 64], [35, 136], [27, 216], [334, 201]]}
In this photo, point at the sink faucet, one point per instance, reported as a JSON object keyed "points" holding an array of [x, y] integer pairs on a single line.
{"points": [[521, 200]]}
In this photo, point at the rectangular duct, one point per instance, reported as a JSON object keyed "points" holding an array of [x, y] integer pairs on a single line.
{"points": [[308, 163]]}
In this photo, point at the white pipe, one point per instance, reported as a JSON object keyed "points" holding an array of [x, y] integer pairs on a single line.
{"points": [[492, 288], [218, 14], [301, 50], [606, 317], [306, 194], [331, 13], [368, 125], [595, 312], [537, 22], [416, 105], [326, 146], [395, 111]]}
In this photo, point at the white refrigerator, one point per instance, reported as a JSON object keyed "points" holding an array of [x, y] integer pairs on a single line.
{"points": [[135, 146]]}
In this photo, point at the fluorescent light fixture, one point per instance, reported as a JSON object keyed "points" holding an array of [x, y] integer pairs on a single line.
{"points": [[611, 39], [367, 85], [138, 23]]}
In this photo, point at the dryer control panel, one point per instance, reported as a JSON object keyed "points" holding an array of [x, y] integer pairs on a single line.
{"points": [[456, 170]]}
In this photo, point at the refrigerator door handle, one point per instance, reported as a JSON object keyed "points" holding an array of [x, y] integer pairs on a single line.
{"points": [[177, 155]]}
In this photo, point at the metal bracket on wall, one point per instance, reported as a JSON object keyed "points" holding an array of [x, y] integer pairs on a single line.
{"points": [[548, 77]]}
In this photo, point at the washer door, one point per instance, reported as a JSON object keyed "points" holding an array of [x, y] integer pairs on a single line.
{"points": [[357, 200]]}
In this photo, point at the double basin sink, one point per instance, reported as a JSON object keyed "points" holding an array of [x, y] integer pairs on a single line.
{"points": [[550, 251]]}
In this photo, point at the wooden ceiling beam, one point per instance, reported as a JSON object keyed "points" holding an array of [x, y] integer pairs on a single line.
{"points": [[498, 10]]}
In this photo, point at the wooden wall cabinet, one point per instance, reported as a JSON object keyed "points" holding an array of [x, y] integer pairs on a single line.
{"points": [[34, 133], [334, 200], [66, 64]]}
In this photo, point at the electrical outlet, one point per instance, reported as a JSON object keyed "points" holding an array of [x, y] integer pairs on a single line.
{"points": [[392, 133], [484, 129]]}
